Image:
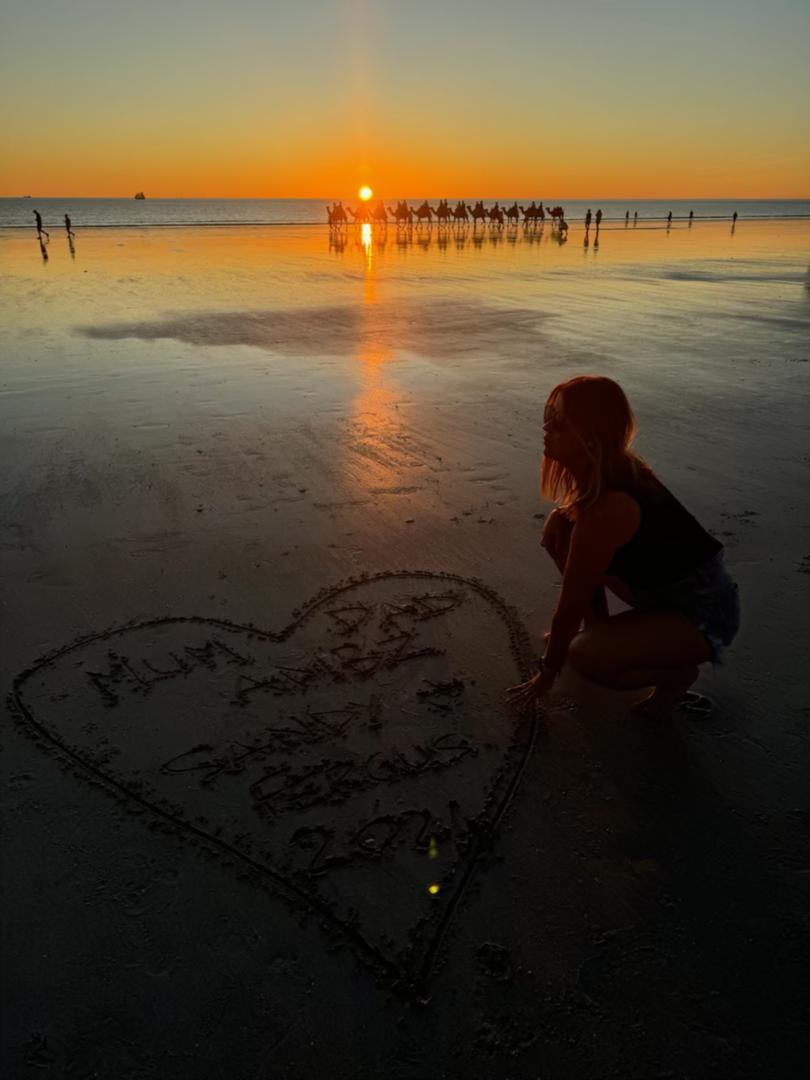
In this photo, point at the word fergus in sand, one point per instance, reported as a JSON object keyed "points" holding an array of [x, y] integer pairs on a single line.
{"points": [[282, 787]]}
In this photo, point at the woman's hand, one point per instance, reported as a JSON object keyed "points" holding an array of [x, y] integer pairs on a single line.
{"points": [[531, 691]]}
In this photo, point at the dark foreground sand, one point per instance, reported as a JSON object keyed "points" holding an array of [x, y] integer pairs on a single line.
{"points": [[282, 563]]}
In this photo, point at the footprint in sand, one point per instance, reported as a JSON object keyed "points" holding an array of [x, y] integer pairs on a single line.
{"points": [[696, 704]]}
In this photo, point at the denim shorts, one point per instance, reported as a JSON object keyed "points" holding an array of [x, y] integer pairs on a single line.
{"points": [[707, 596]]}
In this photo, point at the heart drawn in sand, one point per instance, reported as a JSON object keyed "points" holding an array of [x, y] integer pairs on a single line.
{"points": [[358, 761]]}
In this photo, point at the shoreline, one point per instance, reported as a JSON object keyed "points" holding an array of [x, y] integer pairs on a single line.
{"points": [[575, 222]]}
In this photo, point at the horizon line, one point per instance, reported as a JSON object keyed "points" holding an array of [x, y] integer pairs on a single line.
{"points": [[487, 198]]}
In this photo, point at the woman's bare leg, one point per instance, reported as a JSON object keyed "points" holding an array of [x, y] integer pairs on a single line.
{"points": [[638, 649], [670, 689]]}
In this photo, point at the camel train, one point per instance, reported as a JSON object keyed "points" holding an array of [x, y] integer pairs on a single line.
{"points": [[405, 216]]}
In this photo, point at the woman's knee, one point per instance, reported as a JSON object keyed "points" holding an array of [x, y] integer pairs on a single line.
{"points": [[589, 652]]}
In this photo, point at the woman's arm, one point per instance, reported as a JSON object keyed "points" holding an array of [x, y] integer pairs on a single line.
{"points": [[556, 540], [598, 532]]}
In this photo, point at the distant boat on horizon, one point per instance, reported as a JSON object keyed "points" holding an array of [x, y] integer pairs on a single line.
{"points": [[139, 195]]}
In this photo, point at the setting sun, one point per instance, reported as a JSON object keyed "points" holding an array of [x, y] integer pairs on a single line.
{"points": [[365, 192]]}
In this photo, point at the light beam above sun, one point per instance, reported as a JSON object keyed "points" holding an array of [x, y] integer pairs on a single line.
{"points": [[365, 192]]}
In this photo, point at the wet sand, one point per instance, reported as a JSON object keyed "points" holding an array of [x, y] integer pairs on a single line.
{"points": [[270, 507]]}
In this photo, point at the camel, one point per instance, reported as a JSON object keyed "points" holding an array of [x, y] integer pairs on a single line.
{"points": [[380, 214], [478, 213], [460, 213], [557, 214], [361, 215], [533, 214], [336, 215], [443, 212], [403, 215], [496, 216], [424, 213], [513, 214]]}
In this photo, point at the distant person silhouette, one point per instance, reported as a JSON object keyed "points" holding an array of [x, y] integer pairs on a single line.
{"points": [[588, 220], [616, 526], [40, 230], [598, 219], [635, 218], [627, 219], [669, 219], [734, 218], [691, 215], [68, 227]]}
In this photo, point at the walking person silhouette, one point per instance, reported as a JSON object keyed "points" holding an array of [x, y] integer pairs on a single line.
{"points": [[617, 526], [40, 230], [68, 227], [598, 219]]}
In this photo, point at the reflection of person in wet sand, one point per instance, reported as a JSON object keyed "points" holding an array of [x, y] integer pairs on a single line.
{"points": [[40, 230], [617, 526]]}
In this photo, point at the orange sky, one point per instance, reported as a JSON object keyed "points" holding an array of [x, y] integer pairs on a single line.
{"points": [[576, 99]]}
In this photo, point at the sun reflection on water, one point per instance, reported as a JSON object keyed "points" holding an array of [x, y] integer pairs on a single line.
{"points": [[380, 440]]}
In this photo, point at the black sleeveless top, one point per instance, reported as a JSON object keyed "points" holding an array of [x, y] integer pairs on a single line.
{"points": [[668, 544]]}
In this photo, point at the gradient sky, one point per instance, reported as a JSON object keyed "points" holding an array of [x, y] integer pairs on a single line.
{"points": [[568, 98]]}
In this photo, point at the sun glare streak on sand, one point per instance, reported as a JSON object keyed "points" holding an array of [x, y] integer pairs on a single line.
{"points": [[373, 460]]}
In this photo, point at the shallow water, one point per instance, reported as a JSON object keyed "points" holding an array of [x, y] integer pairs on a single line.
{"points": [[669, 309], [449, 343]]}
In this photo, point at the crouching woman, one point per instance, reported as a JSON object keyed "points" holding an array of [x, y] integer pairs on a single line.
{"points": [[616, 526]]}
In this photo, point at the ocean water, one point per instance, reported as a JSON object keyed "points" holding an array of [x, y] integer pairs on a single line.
{"points": [[136, 213]]}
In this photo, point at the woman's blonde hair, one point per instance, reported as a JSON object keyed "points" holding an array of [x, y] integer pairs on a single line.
{"points": [[599, 414]]}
